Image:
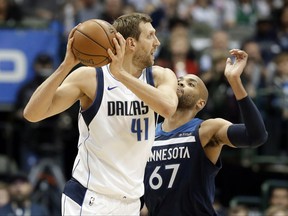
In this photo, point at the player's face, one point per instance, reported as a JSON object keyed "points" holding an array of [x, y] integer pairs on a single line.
{"points": [[146, 46], [187, 91]]}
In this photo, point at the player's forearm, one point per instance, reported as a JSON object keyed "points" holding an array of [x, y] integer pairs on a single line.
{"points": [[253, 132], [237, 87], [38, 106], [163, 103]]}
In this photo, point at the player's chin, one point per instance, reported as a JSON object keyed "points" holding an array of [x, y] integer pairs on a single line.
{"points": [[149, 63], [152, 61], [179, 92]]}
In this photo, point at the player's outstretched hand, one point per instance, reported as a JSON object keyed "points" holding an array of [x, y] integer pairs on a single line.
{"points": [[70, 58], [116, 66], [234, 68]]}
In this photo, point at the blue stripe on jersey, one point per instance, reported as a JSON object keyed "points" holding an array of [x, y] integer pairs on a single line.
{"points": [[75, 191], [149, 76], [150, 80], [89, 114]]}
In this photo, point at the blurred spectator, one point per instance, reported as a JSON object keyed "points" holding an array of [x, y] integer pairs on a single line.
{"points": [[219, 45], [178, 54], [276, 211], [21, 203], [33, 140], [139, 5], [88, 9], [4, 193], [220, 92], [279, 197], [246, 13], [203, 12], [238, 210], [266, 36], [69, 18], [11, 14], [129, 8], [255, 72], [282, 28], [43, 10], [7, 163], [277, 107], [227, 13], [162, 13], [112, 9]]}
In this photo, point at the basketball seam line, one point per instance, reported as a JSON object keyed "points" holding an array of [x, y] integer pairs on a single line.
{"points": [[104, 31]]}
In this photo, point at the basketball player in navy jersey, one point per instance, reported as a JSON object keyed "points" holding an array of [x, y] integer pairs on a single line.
{"points": [[180, 173], [116, 118]]}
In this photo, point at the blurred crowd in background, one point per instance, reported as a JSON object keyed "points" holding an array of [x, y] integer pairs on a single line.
{"points": [[195, 37]]}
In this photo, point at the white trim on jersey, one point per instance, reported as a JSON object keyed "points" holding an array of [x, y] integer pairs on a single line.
{"points": [[173, 141]]}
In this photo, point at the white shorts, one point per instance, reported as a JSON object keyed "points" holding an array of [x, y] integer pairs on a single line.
{"points": [[78, 200]]}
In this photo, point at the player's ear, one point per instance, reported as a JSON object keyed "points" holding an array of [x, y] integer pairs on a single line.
{"points": [[200, 104], [130, 42]]}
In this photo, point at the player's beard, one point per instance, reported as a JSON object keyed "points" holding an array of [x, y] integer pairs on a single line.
{"points": [[186, 101], [142, 59]]}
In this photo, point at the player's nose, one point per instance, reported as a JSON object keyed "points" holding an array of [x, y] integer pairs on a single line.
{"points": [[157, 42], [180, 84]]}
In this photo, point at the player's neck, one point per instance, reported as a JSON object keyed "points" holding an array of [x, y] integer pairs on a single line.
{"points": [[178, 119], [132, 69]]}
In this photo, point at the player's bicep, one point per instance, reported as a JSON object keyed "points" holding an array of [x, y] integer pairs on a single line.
{"points": [[67, 93], [166, 82], [215, 130], [222, 135]]}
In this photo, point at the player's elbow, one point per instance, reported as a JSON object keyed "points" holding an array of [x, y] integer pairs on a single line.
{"points": [[260, 140], [29, 116], [168, 111]]}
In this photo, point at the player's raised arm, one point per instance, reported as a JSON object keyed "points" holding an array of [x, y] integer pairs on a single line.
{"points": [[233, 71], [49, 99], [253, 132]]}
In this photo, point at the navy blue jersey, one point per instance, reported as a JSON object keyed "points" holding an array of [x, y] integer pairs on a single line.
{"points": [[179, 178]]}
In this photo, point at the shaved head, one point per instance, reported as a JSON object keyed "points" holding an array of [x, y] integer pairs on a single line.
{"points": [[203, 92]]}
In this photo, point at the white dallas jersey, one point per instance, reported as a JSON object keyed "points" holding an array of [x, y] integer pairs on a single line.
{"points": [[116, 136]]}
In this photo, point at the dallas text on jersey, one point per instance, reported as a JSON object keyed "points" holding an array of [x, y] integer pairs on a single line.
{"points": [[127, 108]]}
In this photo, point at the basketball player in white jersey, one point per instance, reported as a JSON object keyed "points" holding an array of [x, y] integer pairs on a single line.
{"points": [[116, 118]]}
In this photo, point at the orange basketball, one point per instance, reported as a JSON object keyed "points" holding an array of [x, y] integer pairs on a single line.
{"points": [[92, 39]]}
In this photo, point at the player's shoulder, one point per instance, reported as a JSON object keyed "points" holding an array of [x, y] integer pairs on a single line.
{"points": [[214, 122], [212, 126], [161, 74], [83, 72], [85, 69], [159, 69], [82, 76]]}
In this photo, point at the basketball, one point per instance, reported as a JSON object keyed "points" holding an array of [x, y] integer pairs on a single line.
{"points": [[92, 39]]}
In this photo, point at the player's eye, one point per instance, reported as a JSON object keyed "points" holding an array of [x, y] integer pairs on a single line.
{"points": [[191, 84]]}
